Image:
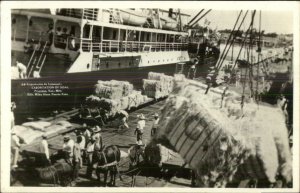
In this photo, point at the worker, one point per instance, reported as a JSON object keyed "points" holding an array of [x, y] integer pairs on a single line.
{"points": [[15, 148], [22, 70], [97, 138], [123, 124], [82, 143], [89, 157], [13, 107], [44, 149], [86, 133], [36, 72], [140, 128], [154, 124], [77, 159], [68, 147]]}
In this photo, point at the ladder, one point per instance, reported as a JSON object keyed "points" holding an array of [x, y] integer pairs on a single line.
{"points": [[179, 68], [37, 59]]}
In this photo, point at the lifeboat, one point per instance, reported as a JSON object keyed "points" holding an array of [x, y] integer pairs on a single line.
{"points": [[132, 17]]}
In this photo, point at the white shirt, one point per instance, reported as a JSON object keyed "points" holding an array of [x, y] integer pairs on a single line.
{"points": [[36, 74], [155, 123], [44, 148], [82, 143], [90, 147], [15, 142], [141, 124], [69, 146], [21, 67]]}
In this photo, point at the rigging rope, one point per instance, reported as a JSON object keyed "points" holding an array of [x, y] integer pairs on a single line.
{"points": [[200, 18], [195, 17], [231, 43], [228, 40]]}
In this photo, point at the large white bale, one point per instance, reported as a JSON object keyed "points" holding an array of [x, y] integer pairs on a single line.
{"points": [[214, 141]]}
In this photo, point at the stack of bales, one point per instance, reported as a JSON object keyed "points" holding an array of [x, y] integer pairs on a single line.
{"points": [[158, 85], [216, 141], [114, 96]]}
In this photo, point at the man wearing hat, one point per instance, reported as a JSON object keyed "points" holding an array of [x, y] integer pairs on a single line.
{"points": [[154, 124], [140, 128], [44, 149], [97, 138], [68, 147]]}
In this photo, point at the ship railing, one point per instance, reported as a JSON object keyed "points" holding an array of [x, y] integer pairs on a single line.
{"points": [[21, 35], [91, 14], [129, 46], [86, 44]]}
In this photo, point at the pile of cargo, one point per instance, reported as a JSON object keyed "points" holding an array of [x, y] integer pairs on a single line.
{"points": [[30, 131], [114, 96], [216, 137], [157, 85]]}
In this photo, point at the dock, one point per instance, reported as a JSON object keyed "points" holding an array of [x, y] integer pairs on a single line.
{"points": [[124, 139]]}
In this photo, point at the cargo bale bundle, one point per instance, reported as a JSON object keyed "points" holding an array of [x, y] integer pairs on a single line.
{"points": [[108, 92], [126, 87], [215, 141], [154, 89], [135, 99]]}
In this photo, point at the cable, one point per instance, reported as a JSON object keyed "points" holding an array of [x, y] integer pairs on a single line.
{"points": [[200, 18], [234, 37], [217, 64], [195, 17]]}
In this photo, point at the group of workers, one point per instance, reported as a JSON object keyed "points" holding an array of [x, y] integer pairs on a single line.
{"points": [[80, 151]]}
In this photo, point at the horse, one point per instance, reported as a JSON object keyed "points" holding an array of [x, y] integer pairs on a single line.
{"points": [[106, 161]]}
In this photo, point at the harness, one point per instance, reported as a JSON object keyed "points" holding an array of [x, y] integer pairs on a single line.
{"points": [[105, 160]]}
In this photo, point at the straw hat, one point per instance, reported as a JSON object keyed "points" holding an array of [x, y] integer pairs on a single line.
{"points": [[96, 129], [155, 115], [141, 116]]}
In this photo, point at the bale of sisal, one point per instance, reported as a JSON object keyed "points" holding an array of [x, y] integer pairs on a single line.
{"points": [[126, 87], [108, 92], [124, 102], [37, 125], [214, 141]]}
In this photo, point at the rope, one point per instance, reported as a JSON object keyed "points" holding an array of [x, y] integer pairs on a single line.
{"points": [[229, 38], [231, 43], [200, 18], [195, 17]]}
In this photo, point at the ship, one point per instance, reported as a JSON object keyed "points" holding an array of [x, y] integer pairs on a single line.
{"points": [[77, 47]]}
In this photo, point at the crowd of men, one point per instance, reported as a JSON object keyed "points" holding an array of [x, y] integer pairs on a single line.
{"points": [[79, 152]]}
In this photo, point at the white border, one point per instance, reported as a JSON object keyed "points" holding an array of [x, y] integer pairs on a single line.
{"points": [[230, 5]]}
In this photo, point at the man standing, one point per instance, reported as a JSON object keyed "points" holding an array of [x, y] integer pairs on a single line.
{"points": [[97, 138], [68, 148], [13, 107], [140, 128], [15, 148], [89, 156], [86, 134], [154, 124], [77, 160], [44, 149]]}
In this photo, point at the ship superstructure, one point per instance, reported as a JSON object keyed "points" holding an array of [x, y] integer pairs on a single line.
{"points": [[62, 41]]}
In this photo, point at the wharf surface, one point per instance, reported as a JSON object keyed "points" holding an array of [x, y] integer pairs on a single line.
{"points": [[124, 139]]}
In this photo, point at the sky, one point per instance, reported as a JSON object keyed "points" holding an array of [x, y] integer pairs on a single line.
{"points": [[280, 22]]}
